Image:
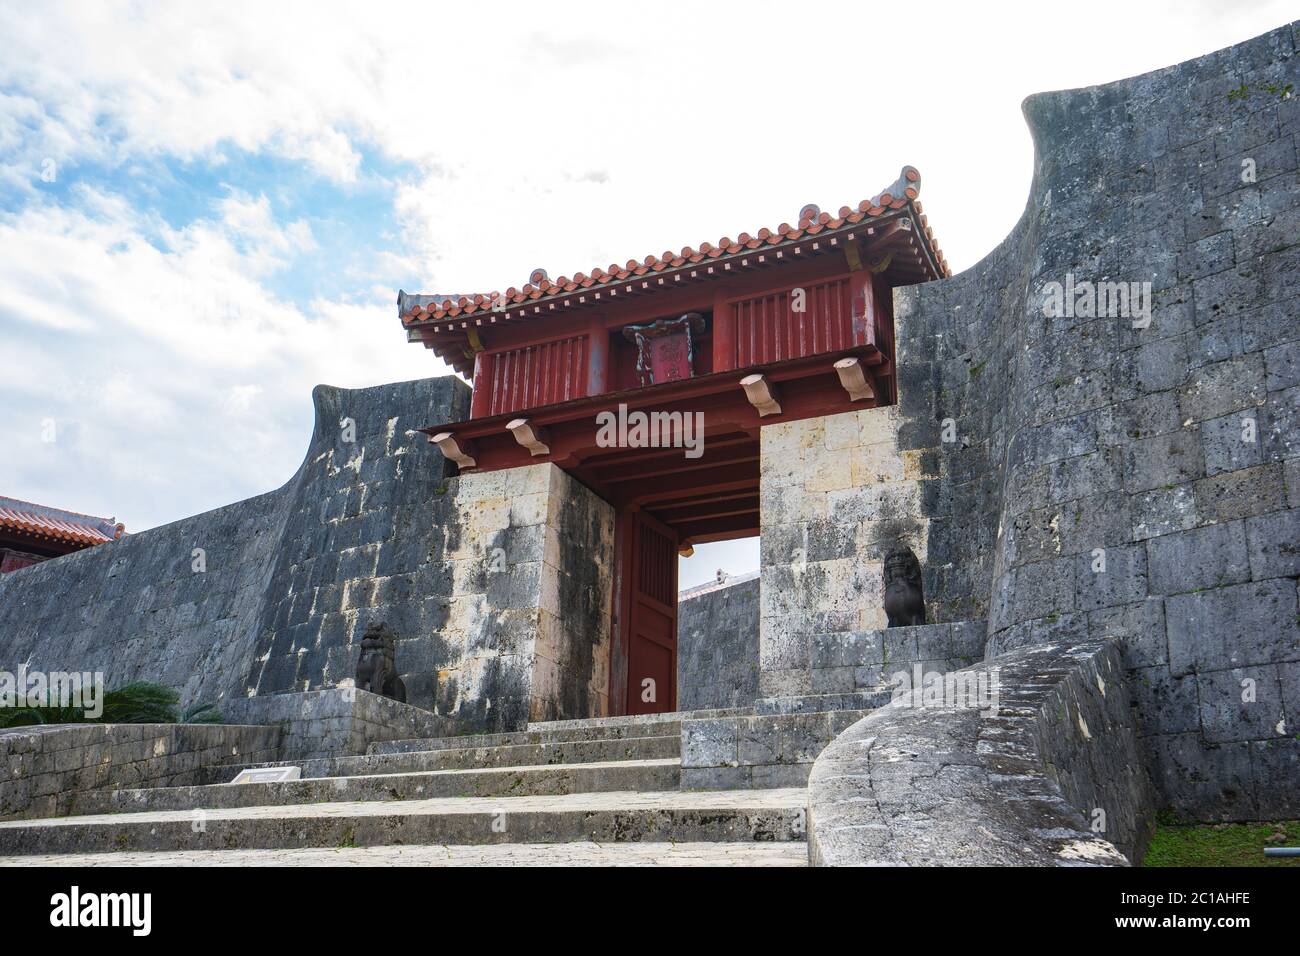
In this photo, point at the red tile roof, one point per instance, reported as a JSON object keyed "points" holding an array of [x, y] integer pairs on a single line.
{"points": [[44, 523], [419, 309]]}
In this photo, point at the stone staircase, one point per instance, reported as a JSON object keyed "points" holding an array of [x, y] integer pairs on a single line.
{"points": [[607, 790]]}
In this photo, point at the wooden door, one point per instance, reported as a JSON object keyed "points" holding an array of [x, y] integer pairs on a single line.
{"points": [[652, 618]]}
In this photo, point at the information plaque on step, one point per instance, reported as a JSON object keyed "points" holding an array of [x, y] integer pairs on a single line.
{"points": [[268, 775]]}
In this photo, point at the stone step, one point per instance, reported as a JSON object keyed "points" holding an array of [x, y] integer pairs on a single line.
{"points": [[618, 817], [867, 699], [479, 758], [758, 750], [583, 853], [559, 734], [626, 775], [638, 720]]}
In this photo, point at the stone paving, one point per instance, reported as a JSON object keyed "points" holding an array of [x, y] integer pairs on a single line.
{"points": [[509, 854]]}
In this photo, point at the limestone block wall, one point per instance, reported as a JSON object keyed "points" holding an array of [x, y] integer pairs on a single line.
{"points": [[270, 594], [335, 722], [135, 609], [531, 552], [1114, 477], [47, 769], [852, 673], [364, 534], [717, 648], [1090, 474], [855, 661], [836, 492]]}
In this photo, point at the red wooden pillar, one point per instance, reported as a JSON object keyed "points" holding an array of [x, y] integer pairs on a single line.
{"points": [[480, 402], [597, 357], [864, 307], [724, 334]]}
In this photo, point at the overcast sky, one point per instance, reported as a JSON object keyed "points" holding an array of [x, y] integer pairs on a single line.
{"points": [[206, 209]]}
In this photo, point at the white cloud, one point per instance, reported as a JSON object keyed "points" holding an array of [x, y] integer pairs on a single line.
{"points": [[178, 381], [697, 127]]}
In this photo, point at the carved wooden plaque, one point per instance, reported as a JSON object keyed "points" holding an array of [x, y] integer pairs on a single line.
{"points": [[666, 348]]}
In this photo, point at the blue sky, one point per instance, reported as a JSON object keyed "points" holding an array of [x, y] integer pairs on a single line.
{"points": [[350, 222], [205, 210]]}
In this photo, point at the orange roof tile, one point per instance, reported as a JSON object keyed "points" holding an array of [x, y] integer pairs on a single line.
{"points": [[417, 309], [54, 524]]}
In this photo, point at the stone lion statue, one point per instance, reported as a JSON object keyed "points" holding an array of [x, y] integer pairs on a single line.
{"points": [[904, 600], [377, 669]]}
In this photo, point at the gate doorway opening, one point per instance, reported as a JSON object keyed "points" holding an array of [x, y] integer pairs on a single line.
{"points": [[665, 504]]}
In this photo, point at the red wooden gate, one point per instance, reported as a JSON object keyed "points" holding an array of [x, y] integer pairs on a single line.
{"points": [[652, 621]]}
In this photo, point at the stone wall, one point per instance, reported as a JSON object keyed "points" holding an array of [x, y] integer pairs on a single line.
{"points": [[364, 537], [717, 647], [48, 768], [836, 492], [1054, 777], [340, 721], [1190, 502], [851, 674], [532, 553], [853, 661], [269, 594], [136, 610], [1141, 483], [497, 584]]}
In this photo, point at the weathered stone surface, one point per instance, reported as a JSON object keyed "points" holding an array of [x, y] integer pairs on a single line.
{"points": [[468, 754], [717, 647], [334, 722], [1252, 623], [760, 816], [1093, 433], [1209, 557], [48, 768], [499, 855], [531, 554], [837, 493], [1054, 779], [271, 594], [509, 781], [772, 749], [1274, 545]]}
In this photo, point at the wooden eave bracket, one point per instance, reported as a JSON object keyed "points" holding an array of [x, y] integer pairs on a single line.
{"points": [[762, 394], [530, 436], [854, 379], [459, 452]]}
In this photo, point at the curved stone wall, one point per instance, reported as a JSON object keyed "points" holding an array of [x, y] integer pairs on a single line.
{"points": [[1052, 778], [1112, 477]]}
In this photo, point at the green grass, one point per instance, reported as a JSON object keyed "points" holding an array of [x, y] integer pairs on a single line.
{"points": [[1222, 844]]}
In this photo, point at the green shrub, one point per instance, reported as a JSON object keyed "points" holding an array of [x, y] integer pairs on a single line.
{"points": [[140, 702]]}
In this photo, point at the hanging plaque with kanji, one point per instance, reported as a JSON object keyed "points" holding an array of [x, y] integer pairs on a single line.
{"points": [[665, 348]]}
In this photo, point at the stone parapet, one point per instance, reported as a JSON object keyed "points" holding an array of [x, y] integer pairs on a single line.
{"points": [[1053, 778], [48, 768], [336, 722]]}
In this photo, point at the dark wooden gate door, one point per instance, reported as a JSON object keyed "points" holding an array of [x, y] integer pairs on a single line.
{"points": [[652, 643]]}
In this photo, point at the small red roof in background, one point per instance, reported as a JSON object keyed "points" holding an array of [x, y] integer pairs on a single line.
{"points": [[44, 523]]}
